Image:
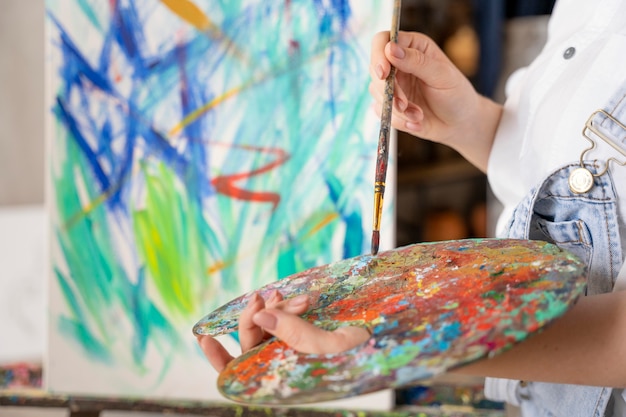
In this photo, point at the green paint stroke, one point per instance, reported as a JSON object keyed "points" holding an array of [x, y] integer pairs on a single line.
{"points": [[101, 299], [168, 241]]}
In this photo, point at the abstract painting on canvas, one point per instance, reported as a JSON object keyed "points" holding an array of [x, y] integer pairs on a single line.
{"points": [[198, 149]]}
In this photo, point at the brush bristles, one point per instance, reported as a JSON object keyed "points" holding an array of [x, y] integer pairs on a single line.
{"points": [[375, 241]]}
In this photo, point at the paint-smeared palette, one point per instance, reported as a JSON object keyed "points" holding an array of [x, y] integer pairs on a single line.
{"points": [[431, 307]]}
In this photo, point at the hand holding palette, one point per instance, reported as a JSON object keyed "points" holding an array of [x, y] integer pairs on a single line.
{"points": [[430, 306]]}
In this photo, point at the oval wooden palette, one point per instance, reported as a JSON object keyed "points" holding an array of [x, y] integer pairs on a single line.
{"points": [[431, 306]]}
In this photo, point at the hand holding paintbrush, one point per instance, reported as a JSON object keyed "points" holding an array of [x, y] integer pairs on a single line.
{"points": [[383, 138]]}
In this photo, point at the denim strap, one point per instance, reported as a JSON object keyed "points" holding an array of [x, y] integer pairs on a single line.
{"points": [[613, 125]]}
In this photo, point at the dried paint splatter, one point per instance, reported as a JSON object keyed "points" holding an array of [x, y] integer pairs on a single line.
{"points": [[432, 306]]}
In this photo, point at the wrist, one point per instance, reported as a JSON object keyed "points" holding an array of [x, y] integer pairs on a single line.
{"points": [[475, 135]]}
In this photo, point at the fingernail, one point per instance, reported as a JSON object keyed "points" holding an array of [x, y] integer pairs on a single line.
{"points": [[397, 51], [265, 320], [379, 71], [254, 298], [299, 300], [402, 105]]}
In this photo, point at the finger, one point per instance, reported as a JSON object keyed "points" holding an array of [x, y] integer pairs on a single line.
{"points": [[413, 114], [379, 65], [307, 338], [377, 88], [384, 53], [400, 101], [250, 334], [217, 355], [274, 298], [402, 88], [296, 305], [402, 114], [420, 56]]}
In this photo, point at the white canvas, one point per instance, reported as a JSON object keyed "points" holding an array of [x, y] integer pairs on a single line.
{"points": [[198, 149]]}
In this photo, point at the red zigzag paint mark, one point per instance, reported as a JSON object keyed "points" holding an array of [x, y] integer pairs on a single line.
{"points": [[225, 184]]}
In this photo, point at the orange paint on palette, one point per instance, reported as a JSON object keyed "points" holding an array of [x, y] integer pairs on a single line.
{"points": [[349, 310], [394, 304]]}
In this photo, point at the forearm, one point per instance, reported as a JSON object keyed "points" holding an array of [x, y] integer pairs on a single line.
{"points": [[474, 139], [586, 346]]}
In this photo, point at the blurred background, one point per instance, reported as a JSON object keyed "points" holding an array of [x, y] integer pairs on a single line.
{"points": [[440, 195], [21, 103]]}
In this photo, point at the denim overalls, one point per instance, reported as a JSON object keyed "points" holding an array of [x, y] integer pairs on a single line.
{"points": [[586, 224]]}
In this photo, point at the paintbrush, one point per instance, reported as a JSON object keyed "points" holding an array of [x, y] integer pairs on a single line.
{"points": [[383, 137]]}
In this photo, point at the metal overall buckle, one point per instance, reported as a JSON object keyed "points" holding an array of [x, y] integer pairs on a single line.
{"points": [[581, 179]]}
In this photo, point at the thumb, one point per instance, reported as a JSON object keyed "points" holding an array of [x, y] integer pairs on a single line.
{"points": [[307, 338]]}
